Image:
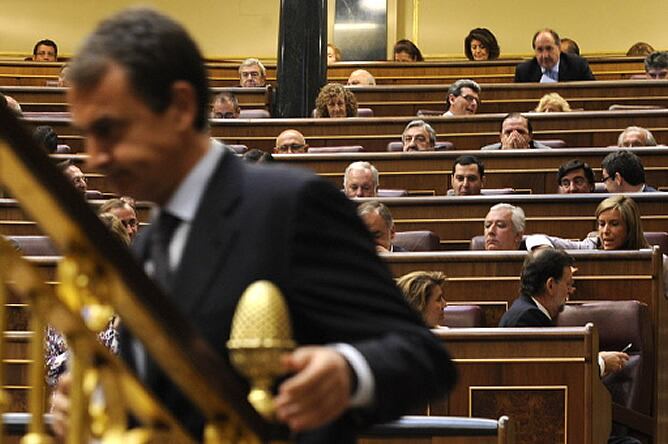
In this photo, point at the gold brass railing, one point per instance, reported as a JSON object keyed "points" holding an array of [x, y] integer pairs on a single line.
{"points": [[99, 274]]}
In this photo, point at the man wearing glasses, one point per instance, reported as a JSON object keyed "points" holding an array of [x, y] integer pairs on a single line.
{"points": [[252, 73], [575, 176], [463, 98], [623, 172], [290, 142]]}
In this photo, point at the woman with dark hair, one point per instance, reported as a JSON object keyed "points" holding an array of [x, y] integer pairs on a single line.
{"points": [[481, 44], [406, 51]]}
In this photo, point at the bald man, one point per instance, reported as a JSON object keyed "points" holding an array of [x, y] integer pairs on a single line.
{"points": [[361, 77], [290, 142]]}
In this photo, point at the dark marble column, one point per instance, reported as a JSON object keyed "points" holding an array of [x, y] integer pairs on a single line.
{"points": [[302, 56]]}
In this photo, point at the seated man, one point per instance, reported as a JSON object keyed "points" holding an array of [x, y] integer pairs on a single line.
{"points": [[360, 180], [75, 176], [623, 172], [225, 106], [545, 285], [551, 64], [419, 136], [636, 136], [463, 98], [504, 227], [569, 46], [290, 141], [379, 221], [124, 212], [656, 65], [575, 176], [252, 73], [361, 77], [516, 133], [45, 51], [468, 176]]}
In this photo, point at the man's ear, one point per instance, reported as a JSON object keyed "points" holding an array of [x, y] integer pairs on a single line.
{"points": [[483, 179], [451, 99], [619, 179], [184, 104], [550, 284], [393, 231]]}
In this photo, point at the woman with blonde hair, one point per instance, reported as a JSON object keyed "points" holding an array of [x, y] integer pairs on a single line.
{"points": [[425, 292], [552, 103]]}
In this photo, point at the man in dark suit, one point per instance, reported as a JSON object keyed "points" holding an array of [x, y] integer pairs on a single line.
{"points": [[140, 96], [550, 64]]}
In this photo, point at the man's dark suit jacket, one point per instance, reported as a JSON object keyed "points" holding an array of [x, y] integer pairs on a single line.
{"points": [[525, 313], [571, 68], [289, 227]]}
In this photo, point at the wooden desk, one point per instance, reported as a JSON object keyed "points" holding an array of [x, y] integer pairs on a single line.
{"points": [[578, 129], [545, 379]]}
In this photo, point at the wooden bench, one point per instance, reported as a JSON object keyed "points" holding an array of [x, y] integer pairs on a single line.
{"points": [[545, 379], [429, 173], [456, 219], [577, 129], [52, 99]]}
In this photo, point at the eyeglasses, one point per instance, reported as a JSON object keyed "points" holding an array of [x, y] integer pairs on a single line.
{"points": [[578, 182], [605, 179], [253, 74], [130, 223], [469, 98], [292, 148]]}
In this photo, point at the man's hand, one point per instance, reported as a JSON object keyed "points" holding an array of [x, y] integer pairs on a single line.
{"points": [[614, 361], [515, 140], [60, 406], [318, 392]]}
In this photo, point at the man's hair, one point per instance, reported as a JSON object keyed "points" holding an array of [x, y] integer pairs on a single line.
{"points": [[635, 237], [647, 134], [45, 42], [418, 285], [46, 137], [153, 50], [362, 165], [456, 89], [484, 36], [541, 265], [332, 90], [517, 216], [575, 164], [253, 62], [639, 49], [408, 47], [418, 123], [469, 160], [227, 96], [552, 32], [656, 60], [627, 164], [571, 46], [517, 116], [373, 206]]}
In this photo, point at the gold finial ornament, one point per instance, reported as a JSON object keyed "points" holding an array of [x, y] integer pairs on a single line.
{"points": [[261, 333]]}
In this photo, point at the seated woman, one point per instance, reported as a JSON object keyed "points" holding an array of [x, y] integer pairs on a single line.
{"points": [[406, 51], [425, 292], [335, 101], [481, 45], [552, 103]]}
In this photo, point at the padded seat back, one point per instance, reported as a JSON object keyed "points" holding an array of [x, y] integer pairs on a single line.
{"points": [[34, 245], [620, 323], [440, 146], [463, 316], [553, 143], [417, 240], [336, 149], [387, 192], [254, 114]]}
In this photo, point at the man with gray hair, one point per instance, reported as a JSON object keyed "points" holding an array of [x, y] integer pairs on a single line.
{"points": [[360, 180], [463, 98], [656, 65], [636, 136], [252, 73], [378, 219], [361, 77], [225, 106], [418, 136], [504, 227]]}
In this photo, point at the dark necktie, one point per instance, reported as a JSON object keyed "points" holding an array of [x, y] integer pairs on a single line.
{"points": [[159, 251]]}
